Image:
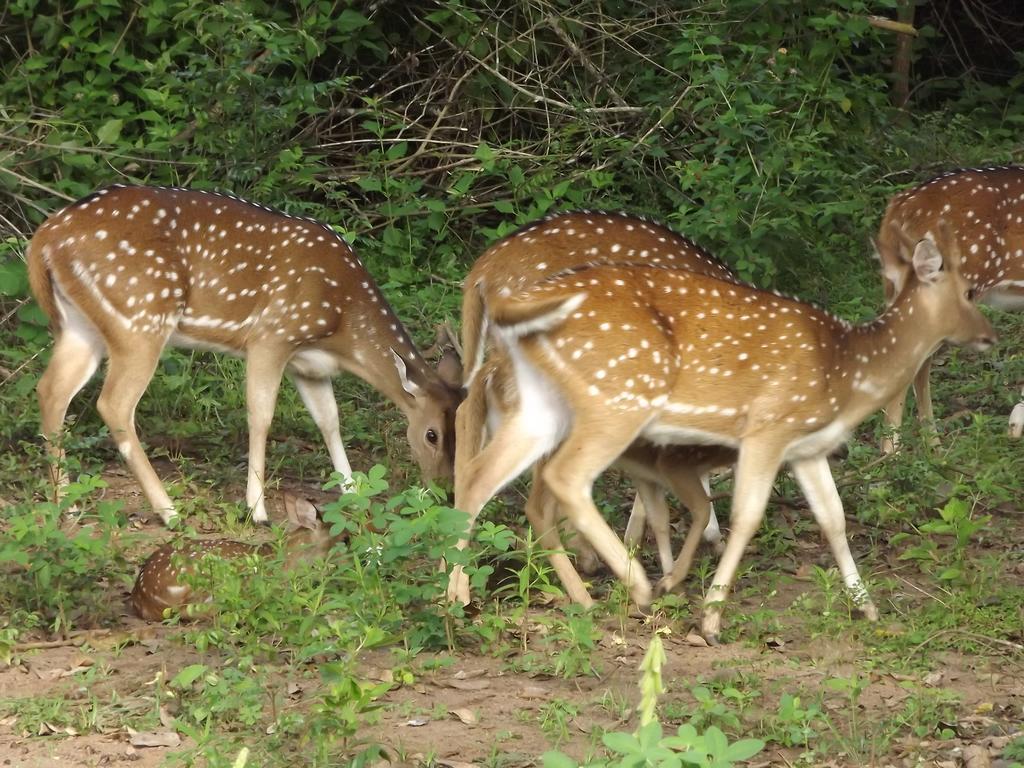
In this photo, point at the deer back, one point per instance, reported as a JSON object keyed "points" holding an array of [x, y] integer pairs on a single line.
{"points": [[161, 582], [985, 207], [706, 361], [565, 241]]}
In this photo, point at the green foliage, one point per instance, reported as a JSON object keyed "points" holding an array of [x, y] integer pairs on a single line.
{"points": [[54, 569], [421, 132], [795, 725], [957, 520], [378, 587], [649, 747], [381, 578], [564, 646], [1014, 750]]}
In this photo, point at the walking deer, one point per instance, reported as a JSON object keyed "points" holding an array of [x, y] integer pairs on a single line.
{"points": [[160, 584], [985, 207], [561, 242], [126, 271], [493, 398], [606, 355]]}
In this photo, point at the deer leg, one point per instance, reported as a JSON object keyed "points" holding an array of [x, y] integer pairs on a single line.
{"points": [[815, 478], [318, 395], [73, 362], [755, 473], [688, 487], [587, 560], [893, 418], [512, 449], [570, 475], [129, 372], [923, 396], [540, 511], [712, 532], [263, 369], [658, 516]]}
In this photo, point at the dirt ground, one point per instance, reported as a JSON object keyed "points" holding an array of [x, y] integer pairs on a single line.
{"points": [[478, 709]]}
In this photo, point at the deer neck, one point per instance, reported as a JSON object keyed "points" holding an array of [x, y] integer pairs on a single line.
{"points": [[880, 358], [381, 371], [365, 345]]}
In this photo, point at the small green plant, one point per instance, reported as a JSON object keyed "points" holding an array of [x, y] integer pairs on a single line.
{"points": [[927, 712], [1015, 751], [566, 646], [857, 741], [555, 717], [648, 746], [794, 725], [957, 520], [710, 709], [55, 568]]}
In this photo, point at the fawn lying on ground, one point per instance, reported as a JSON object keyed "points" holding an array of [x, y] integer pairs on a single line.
{"points": [[160, 583]]}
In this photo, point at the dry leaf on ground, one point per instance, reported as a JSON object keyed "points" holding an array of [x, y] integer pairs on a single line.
{"points": [[465, 715]]}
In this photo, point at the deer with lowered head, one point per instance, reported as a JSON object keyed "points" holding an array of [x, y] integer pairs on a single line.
{"points": [[560, 242], [127, 271], [606, 355], [985, 207]]}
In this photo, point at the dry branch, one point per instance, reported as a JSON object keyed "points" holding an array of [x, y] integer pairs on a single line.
{"points": [[880, 22]]}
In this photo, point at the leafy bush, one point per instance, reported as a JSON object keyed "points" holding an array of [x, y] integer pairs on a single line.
{"points": [[56, 571]]}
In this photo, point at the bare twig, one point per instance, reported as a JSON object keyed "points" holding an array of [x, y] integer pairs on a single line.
{"points": [[562, 35], [78, 638], [30, 182], [880, 22]]}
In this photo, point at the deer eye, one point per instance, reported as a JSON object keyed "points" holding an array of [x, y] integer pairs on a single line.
{"points": [[432, 437], [971, 294]]}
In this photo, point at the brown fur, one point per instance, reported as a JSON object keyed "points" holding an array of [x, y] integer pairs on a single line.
{"points": [[985, 208], [560, 245]]}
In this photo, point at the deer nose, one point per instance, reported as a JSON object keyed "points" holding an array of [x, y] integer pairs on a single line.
{"points": [[986, 342]]}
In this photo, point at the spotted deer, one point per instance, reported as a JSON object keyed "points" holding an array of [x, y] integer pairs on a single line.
{"points": [[127, 271], [162, 583], [536, 252], [606, 355], [494, 398], [985, 206]]}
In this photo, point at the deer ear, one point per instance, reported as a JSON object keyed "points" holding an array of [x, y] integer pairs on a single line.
{"points": [[408, 384], [449, 368], [875, 250], [927, 261], [905, 244], [301, 512], [949, 245]]}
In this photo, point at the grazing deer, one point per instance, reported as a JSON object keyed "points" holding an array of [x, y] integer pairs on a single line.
{"points": [[129, 270], [493, 398], [160, 584], [562, 242], [985, 206], [607, 355]]}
